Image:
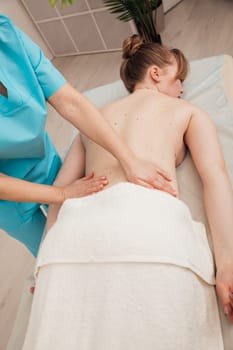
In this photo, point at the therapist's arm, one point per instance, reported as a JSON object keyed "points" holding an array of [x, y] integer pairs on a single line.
{"points": [[12, 189], [78, 110], [201, 138]]}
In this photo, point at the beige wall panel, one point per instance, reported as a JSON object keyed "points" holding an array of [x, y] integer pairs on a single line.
{"points": [[19, 15]]}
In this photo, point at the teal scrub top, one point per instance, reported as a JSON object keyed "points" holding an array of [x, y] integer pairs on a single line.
{"points": [[26, 151]]}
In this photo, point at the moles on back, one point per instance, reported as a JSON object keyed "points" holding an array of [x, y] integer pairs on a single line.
{"points": [[152, 124]]}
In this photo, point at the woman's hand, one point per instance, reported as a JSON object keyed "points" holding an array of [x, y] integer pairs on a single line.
{"points": [[84, 186], [149, 175], [224, 285]]}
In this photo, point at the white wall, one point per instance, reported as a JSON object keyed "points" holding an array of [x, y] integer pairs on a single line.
{"points": [[167, 4], [15, 10]]}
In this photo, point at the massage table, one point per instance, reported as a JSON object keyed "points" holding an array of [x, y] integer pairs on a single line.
{"points": [[210, 86]]}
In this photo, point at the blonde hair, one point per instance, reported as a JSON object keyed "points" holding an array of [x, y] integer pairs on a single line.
{"points": [[139, 56]]}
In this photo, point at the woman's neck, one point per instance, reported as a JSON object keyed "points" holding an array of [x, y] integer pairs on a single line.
{"points": [[146, 86]]}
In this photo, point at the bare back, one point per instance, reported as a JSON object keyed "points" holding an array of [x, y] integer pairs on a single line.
{"points": [[152, 124]]}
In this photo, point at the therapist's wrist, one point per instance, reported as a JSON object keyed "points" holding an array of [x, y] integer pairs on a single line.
{"points": [[59, 195], [127, 159], [131, 167]]}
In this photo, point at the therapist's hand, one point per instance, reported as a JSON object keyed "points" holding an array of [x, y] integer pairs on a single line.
{"points": [[84, 186], [149, 175]]}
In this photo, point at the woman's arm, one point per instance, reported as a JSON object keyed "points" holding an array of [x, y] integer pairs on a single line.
{"points": [[73, 168], [202, 140], [77, 109]]}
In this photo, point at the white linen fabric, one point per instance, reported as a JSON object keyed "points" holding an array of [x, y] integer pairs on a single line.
{"points": [[125, 268], [117, 306]]}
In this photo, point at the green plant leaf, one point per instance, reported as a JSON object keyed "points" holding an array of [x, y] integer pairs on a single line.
{"points": [[52, 2], [62, 2], [140, 11]]}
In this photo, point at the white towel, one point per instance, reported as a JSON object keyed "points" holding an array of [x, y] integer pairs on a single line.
{"points": [[127, 222]]}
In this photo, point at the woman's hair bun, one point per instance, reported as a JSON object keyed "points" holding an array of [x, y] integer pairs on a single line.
{"points": [[131, 45]]}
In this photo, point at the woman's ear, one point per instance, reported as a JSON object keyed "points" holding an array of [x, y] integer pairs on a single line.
{"points": [[155, 73]]}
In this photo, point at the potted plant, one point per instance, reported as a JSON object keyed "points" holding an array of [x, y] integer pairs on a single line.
{"points": [[144, 13]]}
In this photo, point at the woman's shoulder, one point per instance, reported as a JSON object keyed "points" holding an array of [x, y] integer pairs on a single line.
{"points": [[180, 103], [114, 104]]}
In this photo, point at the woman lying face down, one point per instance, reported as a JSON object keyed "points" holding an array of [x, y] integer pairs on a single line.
{"points": [[159, 126]]}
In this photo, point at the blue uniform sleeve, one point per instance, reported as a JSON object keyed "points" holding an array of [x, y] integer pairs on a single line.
{"points": [[49, 78]]}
